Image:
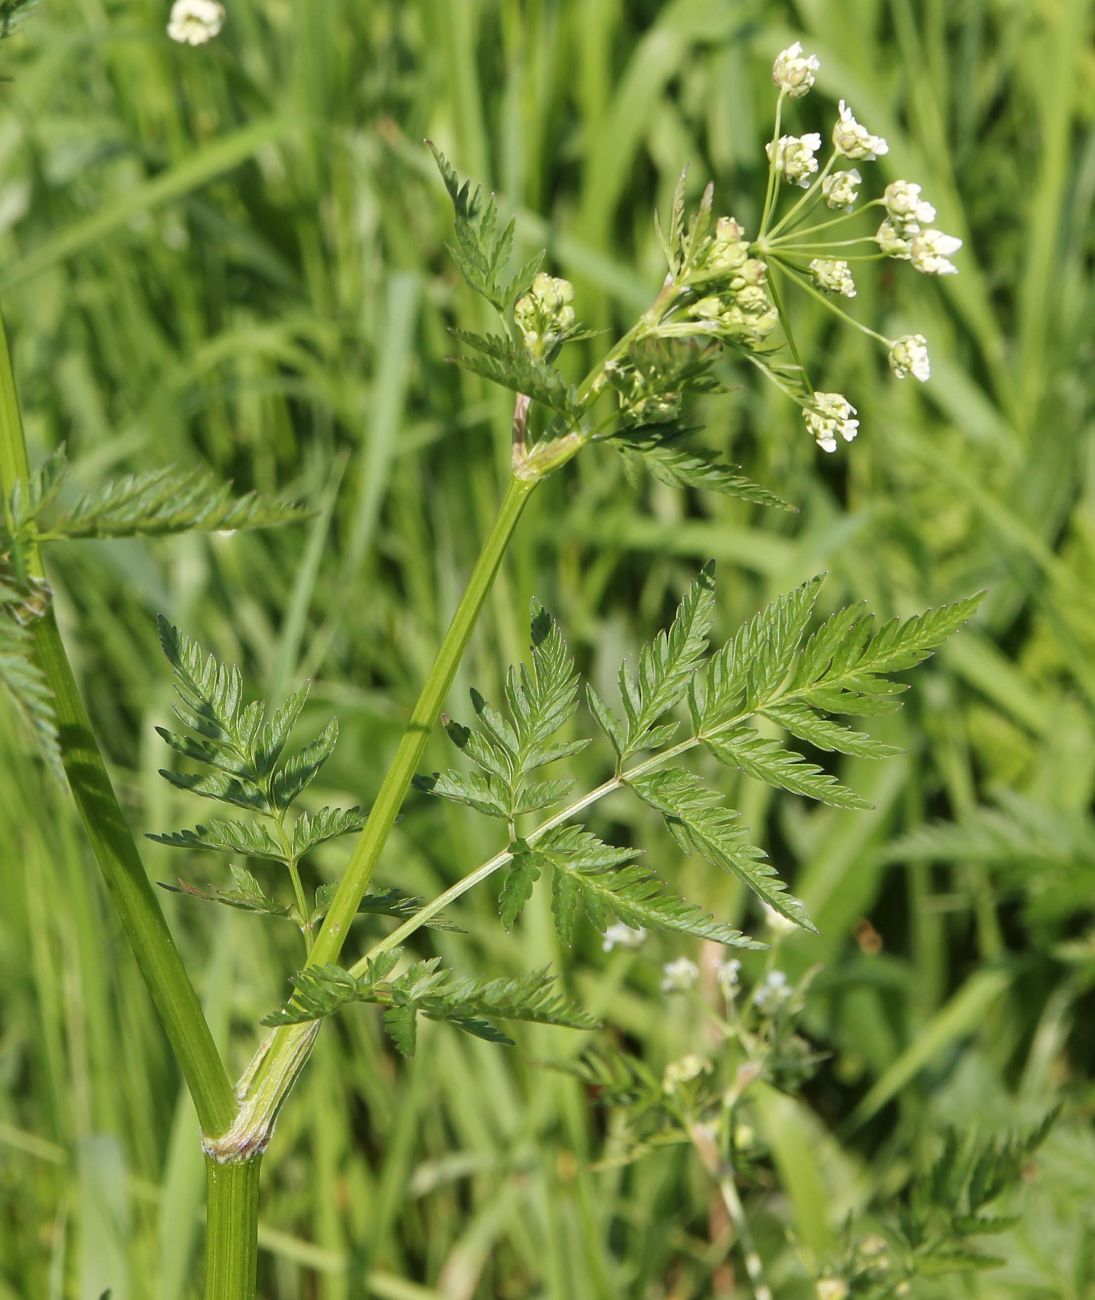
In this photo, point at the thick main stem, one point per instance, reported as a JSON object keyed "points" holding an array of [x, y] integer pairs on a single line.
{"points": [[231, 1229], [133, 897]]}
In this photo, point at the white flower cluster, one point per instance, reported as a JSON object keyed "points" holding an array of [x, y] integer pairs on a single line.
{"points": [[829, 416], [841, 190], [853, 140], [793, 156], [742, 308], [194, 22], [679, 976], [793, 72], [833, 276], [544, 314], [774, 992], [907, 232], [728, 975], [909, 356], [625, 936]]}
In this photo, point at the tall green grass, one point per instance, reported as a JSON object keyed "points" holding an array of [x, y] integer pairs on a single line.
{"points": [[235, 255]]}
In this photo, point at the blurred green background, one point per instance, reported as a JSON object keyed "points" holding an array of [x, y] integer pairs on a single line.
{"points": [[235, 255]]}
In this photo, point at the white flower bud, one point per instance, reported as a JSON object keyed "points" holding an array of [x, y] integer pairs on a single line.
{"points": [[679, 976], [931, 250], [833, 276], [793, 72], [828, 415], [907, 210], [832, 1288], [794, 156], [193, 22], [625, 935], [544, 314], [909, 356], [728, 249], [892, 242], [841, 189], [855, 141]]}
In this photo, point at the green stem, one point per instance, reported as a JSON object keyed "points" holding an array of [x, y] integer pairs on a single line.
{"points": [[389, 799], [132, 895], [773, 182], [231, 1229], [808, 199], [803, 283]]}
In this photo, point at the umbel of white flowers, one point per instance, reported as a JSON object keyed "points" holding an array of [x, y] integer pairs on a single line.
{"points": [[906, 234], [194, 22]]}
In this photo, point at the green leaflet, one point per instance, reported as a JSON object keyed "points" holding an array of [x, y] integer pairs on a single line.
{"points": [[768, 761], [699, 823], [660, 455], [606, 885], [481, 250], [425, 989], [684, 239], [153, 503], [541, 698], [666, 666], [503, 362]]}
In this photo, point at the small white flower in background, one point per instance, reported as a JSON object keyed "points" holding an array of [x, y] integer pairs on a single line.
{"points": [[832, 1288], [892, 242], [909, 356], [728, 974], [833, 276], [908, 211], [679, 976], [829, 415], [930, 251], [683, 1071], [776, 921], [841, 190], [794, 156], [855, 141], [193, 22], [625, 935], [773, 992], [793, 72]]}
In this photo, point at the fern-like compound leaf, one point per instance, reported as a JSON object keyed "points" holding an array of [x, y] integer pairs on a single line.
{"points": [[541, 697], [165, 501], [424, 989], [481, 250]]}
